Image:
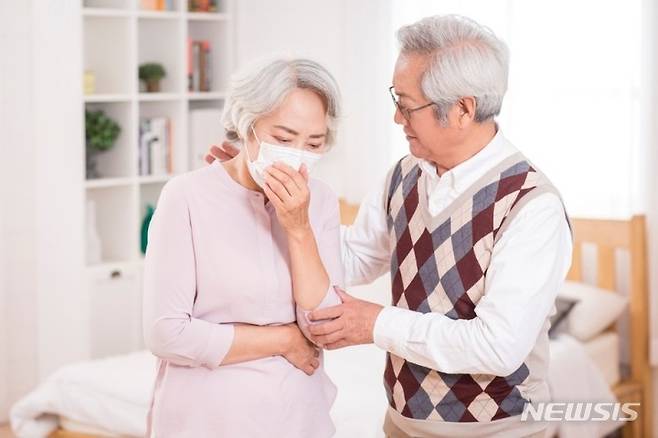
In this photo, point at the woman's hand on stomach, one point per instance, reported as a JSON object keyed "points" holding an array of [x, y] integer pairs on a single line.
{"points": [[299, 351]]}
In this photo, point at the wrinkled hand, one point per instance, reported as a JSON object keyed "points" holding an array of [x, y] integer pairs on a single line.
{"points": [[288, 191], [301, 352], [353, 323], [225, 153]]}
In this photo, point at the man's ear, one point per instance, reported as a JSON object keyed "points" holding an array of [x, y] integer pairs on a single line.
{"points": [[466, 106]]}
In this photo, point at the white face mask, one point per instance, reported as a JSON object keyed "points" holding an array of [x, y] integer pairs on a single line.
{"points": [[271, 153]]}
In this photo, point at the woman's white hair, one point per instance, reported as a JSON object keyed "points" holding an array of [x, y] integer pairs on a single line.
{"points": [[261, 87], [467, 59]]}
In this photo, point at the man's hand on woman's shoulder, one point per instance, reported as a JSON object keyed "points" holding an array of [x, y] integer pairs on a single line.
{"points": [[222, 153]]}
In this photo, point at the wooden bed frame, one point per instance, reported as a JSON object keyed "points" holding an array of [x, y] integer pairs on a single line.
{"points": [[608, 236]]}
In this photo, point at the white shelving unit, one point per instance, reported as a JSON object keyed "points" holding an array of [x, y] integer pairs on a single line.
{"points": [[117, 37]]}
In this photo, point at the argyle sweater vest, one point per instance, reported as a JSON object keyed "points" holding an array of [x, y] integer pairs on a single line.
{"points": [[439, 264]]}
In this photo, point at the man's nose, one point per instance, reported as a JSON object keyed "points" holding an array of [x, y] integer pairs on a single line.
{"points": [[399, 118]]}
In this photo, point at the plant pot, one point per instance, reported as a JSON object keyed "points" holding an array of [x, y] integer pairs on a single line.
{"points": [[91, 163], [153, 85]]}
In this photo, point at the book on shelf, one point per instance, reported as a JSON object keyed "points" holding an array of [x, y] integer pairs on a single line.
{"points": [[155, 147], [202, 5], [157, 5], [199, 65]]}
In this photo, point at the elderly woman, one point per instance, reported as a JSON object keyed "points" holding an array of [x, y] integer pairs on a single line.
{"points": [[239, 252]]}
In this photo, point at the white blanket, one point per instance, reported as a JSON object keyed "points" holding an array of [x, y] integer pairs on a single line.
{"points": [[111, 394], [573, 376], [114, 394]]}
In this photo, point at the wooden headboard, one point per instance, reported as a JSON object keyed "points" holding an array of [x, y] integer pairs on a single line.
{"points": [[609, 236]]}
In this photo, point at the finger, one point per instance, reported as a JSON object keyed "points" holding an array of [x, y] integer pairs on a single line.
{"points": [[219, 154], [315, 363], [278, 188], [325, 328], [325, 340], [344, 296], [316, 353], [285, 179], [308, 369], [291, 173], [336, 345], [326, 313], [209, 159], [303, 170], [230, 149], [273, 197]]}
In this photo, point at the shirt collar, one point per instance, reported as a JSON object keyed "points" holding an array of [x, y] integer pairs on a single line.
{"points": [[467, 172]]}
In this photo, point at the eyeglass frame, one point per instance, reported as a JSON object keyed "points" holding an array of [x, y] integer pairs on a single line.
{"points": [[406, 112]]}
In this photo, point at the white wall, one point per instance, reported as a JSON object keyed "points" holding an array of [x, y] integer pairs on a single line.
{"points": [[63, 302], [351, 39], [41, 322], [18, 280]]}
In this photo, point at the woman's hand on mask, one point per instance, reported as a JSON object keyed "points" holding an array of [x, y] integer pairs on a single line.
{"points": [[288, 191]]}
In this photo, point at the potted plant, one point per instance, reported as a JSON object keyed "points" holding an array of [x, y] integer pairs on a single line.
{"points": [[151, 73], [100, 134]]}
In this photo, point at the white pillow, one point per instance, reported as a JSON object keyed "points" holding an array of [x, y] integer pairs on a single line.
{"points": [[595, 310]]}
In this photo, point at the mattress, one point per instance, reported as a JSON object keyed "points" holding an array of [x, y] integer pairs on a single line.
{"points": [[604, 352]]}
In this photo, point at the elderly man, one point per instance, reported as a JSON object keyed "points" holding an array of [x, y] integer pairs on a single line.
{"points": [[476, 240]]}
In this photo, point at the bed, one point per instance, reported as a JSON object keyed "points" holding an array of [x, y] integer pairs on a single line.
{"points": [[357, 371]]}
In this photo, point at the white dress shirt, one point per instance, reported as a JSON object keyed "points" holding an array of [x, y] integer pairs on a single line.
{"points": [[528, 265]]}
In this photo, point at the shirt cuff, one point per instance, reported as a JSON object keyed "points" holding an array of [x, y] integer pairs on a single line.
{"points": [[330, 299], [219, 343], [392, 328]]}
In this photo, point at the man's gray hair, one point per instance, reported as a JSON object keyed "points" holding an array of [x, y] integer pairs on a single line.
{"points": [[261, 87], [467, 59]]}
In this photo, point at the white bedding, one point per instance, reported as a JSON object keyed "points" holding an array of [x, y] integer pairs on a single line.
{"points": [[110, 394], [574, 377], [603, 350]]}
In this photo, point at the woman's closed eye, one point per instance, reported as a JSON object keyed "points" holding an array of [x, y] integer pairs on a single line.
{"points": [[315, 146], [283, 140]]}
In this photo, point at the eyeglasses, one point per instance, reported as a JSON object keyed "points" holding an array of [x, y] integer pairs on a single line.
{"points": [[406, 112]]}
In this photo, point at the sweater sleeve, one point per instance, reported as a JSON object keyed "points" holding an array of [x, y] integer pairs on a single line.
{"points": [[328, 241], [170, 330]]}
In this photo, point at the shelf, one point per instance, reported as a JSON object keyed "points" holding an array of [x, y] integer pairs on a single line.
{"points": [[159, 15], [101, 183], [107, 98], [207, 16], [105, 12], [109, 265], [157, 97], [154, 179], [206, 95]]}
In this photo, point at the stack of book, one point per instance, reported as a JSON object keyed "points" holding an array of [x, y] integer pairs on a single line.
{"points": [[202, 5], [157, 5], [155, 155], [199, 68]]}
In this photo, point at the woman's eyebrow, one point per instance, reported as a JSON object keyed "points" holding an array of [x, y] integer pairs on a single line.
{"points": [[288, 130], [293, 132]]}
